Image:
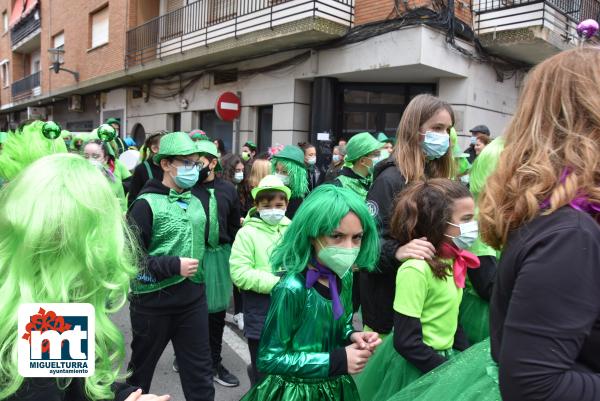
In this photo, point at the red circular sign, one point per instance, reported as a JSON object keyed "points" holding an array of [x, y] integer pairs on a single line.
{"points": [[228, 106]]}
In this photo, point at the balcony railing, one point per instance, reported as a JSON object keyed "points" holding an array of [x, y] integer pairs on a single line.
{"points": [[25, 87], [207, 21], [25, 27], [561, 16]]}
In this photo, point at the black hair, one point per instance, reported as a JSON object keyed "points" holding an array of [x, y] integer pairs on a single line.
{"points": [[268, 195], [221, 146]]}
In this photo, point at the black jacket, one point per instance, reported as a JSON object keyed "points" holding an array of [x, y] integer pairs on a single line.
{"points": [[316, 176], [377, 288], [140, 178], [46, 389], [545, 310]]}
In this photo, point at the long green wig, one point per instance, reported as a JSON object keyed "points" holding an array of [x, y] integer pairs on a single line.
{"points": [[319, 215], [64, 240], [484, 165], [26, 146], [297, 173]]}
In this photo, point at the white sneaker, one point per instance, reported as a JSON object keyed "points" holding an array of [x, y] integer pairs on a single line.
{"points": [[239, 320]]}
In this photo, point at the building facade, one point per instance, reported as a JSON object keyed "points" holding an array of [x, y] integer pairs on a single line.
{"points": [[300, 67]]}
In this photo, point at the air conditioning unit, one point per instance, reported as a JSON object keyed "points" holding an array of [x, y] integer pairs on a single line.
{"points": [[36, 113], [75, 103]]}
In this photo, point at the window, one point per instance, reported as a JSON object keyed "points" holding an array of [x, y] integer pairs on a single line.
{"points": [[4, 21], [58, 41], [99, 24], [4, 71]]}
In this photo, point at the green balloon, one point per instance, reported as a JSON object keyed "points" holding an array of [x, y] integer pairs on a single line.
{"points": [[106, 132], [51, 130]]}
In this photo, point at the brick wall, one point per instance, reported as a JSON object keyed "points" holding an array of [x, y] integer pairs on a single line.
{"points": [[5, 52], [380, 10], [73, 18]]}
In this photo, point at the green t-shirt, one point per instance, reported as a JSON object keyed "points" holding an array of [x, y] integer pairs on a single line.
{"points": [[121, 171], [432, 300]]}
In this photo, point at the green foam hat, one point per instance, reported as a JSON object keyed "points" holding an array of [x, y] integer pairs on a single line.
{"points": [[251, 145], [271, 182], [210, 149], [113, 120], [292, 153], [360, 145], [175, 144]]}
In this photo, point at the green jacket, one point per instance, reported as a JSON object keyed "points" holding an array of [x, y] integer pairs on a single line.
{"points": [[249, 260]]}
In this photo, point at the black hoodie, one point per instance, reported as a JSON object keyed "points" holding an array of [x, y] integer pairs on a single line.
{"points": [[377, 288]]}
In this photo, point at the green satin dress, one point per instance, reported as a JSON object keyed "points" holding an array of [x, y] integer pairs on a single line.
{"points": [[299, 333]]}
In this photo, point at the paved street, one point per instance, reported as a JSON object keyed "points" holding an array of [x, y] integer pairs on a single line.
{"points": [[166, 381]]}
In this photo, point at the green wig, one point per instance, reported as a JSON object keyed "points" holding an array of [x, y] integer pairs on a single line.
{"points": [[64, 239], [26, 146], [484, 165], [319, 215], [297, 173]]}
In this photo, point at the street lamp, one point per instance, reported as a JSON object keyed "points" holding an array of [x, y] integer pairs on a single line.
{"points": [[57, 58]]}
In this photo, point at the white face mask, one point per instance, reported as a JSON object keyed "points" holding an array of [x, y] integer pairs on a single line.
{"points": [[284, 178], [238, 177], [272, 216], [468, 234], [311, 161]]}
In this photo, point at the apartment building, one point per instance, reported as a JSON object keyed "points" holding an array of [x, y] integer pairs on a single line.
{"points": [[300, 67]]}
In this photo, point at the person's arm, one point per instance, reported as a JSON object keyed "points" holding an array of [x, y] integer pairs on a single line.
{"points": [[234, 218], [408, 342], [160, 267], [553, 308], [139, 178], [242, 263], [461, 342], [276, 353], [484, 277]]}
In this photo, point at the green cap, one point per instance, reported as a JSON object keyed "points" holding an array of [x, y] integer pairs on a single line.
{"points": [[360, 145], [113, 120], [209, 148], [292, 153], [271, 182], [251, 145], [175, 144]]}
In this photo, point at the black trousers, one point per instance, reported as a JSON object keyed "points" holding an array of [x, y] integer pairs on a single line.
{"points": [[355, 291], [188, 331], [216, 326], [255, 375], [237, 300]]}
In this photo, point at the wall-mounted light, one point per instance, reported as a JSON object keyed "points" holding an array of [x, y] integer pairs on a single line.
{"points": [[57, 58]]}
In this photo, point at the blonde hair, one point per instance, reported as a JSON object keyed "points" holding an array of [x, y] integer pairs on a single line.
{"points": [[260, 169], [408, 155], [552, 149]]}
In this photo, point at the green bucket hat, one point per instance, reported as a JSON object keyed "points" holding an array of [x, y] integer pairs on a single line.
{"points": [[360, 145], [209, 148], [271, 182], [292, 153], [175, 144], [251, 145]]}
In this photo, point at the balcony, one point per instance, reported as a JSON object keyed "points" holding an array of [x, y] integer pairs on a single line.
{"points": [[531, 30], [221, 28], [26, 33], [26, 87]]}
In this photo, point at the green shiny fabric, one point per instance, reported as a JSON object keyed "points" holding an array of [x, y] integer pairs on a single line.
{"points": [[355, 185], [175, 232], [388, 372], [298, 335], [217, 277], [473, 316], [213, 220]]}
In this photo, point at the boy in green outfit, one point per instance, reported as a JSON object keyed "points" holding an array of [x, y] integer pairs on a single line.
{"points": [[249, 262], [168, 297]]}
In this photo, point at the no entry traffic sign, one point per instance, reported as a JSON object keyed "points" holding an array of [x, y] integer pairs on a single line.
{"points": [[228, 106]]}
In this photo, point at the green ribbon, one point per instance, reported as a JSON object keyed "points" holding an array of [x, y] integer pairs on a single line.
{"points": [[175, 196], [213, 220]]}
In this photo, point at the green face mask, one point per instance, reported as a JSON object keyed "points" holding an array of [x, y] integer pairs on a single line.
{"points": [[338, 259], [245, 156]]}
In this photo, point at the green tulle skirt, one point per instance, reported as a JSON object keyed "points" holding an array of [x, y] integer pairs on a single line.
{"points": [[217, 278], [474, 316], [280, 388], [387, 372], [471, 376]]}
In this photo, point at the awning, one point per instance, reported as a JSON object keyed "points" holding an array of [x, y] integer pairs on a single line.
{"points": [[20, 10]]}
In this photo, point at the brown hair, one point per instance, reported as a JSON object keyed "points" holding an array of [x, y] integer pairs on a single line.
{"points": [[423, 209], [556, 127], [408, 155], [260, 169], [483, 138]]}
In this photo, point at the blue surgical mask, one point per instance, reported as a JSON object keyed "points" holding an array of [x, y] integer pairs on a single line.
{"points": [[435, 144], [473, 140], [336, 158], [284, 178], [186, 178], [238, 177], [468, 234], [272, 216], [311, 161]]}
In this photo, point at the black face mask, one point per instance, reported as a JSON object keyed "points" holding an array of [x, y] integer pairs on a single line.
{"points": [[204, 173]]}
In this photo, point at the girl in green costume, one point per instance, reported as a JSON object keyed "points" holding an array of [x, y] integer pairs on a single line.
{"points": [[308, 347], [91, 261], [428, 292], [288, 165]]}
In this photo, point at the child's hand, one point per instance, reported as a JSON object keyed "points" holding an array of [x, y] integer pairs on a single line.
{"points": [[138, 396], [419, 248], [188, 266], [356, 358], [366, 340]]}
